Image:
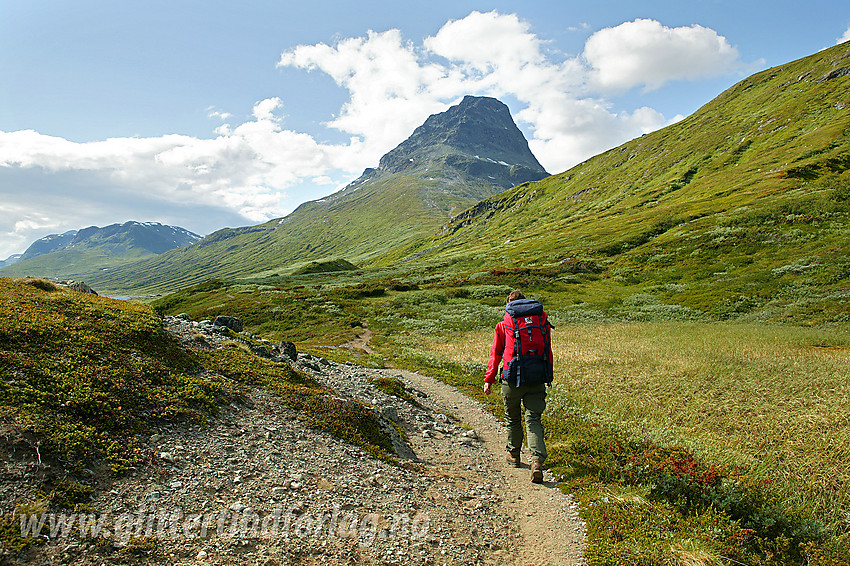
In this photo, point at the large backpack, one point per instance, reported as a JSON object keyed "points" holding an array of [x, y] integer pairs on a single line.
{"points": [[528, 343]]}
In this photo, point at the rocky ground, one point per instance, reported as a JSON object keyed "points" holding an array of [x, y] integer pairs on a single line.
{"points": [[256, 486]]}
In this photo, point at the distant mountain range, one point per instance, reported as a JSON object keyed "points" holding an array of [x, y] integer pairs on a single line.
{"points": [[10, 260], [78, 253]]}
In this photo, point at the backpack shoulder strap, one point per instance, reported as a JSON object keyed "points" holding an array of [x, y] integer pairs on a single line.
{"points": [[517, 355]]}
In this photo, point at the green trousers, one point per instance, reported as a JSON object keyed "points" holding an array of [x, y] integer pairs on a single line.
{"points": [[533, 399]]}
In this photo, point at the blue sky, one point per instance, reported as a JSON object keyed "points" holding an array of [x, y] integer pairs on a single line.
{"points": [[207, 114]]}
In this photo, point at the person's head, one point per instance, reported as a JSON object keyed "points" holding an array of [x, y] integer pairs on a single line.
{"points": [[515, 296]]}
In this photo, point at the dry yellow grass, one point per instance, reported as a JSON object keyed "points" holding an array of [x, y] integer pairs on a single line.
{"points": [[774, 399]]}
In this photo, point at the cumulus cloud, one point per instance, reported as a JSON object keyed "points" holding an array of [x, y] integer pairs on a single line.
{"points": [[213, 113], [387, 86], [244, 171], [843, 38], [239, 170], [645, 52], [488, 42], [239, 176]]}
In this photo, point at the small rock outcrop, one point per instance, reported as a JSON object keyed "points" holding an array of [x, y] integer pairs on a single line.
{"points": [[231, 322], [79, 286], [288, 349], [213, 334]]}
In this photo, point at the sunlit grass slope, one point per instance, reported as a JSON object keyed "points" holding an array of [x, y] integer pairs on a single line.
{"points": [[773, 399], [76, 264], [682, 437], [698, 443], [742, 208]]}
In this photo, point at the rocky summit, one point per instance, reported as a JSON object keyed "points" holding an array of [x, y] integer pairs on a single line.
{"points": [[476, 139]]}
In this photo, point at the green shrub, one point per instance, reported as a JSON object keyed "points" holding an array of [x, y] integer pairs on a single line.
{"points": [[679, 498], [394, 387], [477, 292]]}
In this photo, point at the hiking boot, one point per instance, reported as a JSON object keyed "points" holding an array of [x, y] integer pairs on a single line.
{"points": [[536, 471], [513, 460]]}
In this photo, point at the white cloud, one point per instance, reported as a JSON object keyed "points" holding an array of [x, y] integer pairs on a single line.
{"points": [[843, 38], [573, 130], [386, 83], [213, 113], [487, 42], [240, 176], [498, 55], [264, 110], [246, 168], [644, 52]]}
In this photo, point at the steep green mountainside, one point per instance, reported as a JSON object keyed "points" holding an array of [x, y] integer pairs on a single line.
{"points": [[456, 158], [743, 207], [77, 253]]}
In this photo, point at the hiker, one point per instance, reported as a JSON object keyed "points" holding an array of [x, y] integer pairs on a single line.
{"points": [[521, 343]]}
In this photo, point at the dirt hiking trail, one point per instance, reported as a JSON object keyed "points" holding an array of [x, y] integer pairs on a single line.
{"points": [[550, 530]]}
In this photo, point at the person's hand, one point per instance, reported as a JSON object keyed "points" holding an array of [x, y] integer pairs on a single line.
{"points": [[488, 388]]}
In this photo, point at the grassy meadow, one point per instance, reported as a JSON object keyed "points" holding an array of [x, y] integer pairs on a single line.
{"points": [[773, 399], [687, 439]]}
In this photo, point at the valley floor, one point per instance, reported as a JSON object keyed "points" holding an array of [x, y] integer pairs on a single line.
{"points": [[258, 487]]}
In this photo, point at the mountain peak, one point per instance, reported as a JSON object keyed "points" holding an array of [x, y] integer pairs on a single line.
{"points": [[471, 151], [477, 137]]}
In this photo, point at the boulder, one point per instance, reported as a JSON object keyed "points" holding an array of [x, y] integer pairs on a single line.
{"points": [[261, 350], [288, 349], [231, 322], [81, 287]]}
